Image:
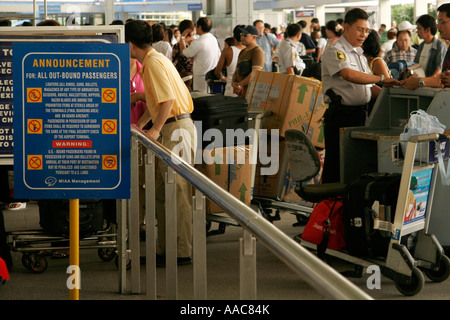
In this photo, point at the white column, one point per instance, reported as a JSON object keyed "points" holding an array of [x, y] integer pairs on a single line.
{"points": [[320, 14], [242, 12], [420, 8], [384, 13], [109, 11]]}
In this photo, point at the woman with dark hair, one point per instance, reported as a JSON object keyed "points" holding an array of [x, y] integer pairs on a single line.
{"points": [[48, 23], [159, 44], [228, 59], [229, 42], [182, 63], [334, 31], [372, 47]]}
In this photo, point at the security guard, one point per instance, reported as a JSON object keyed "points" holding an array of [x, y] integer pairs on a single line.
{"points": [[349, 85]]}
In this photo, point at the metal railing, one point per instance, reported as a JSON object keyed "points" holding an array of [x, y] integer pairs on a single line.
{"points": [[319, 275]]}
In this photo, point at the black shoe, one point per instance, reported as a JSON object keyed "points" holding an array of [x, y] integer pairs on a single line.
{"points": [[184, 261], [161, 261]]}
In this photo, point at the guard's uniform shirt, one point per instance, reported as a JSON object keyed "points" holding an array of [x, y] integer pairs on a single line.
{"points": [[342, 55], [288, 56]]}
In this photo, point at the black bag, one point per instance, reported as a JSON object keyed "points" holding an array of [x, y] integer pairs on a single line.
{"points": [[211, 75], [361, 239], [313, 70], [55, 216], [222, 113], [245, 68]]}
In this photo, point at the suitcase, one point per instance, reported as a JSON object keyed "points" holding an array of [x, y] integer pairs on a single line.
{"points": [[361, 239], [221, 113], [55, 216]]}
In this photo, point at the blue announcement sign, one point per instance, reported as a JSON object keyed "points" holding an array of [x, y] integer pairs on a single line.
{"points": [[71, 121]]}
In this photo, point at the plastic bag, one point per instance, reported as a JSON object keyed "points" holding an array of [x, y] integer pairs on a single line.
{"points": [[420, 122]]}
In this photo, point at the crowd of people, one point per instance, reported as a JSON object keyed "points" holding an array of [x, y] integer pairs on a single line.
{"points": [[292, 49]]}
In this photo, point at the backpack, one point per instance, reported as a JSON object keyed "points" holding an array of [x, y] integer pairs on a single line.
{"points": [[325, 226], [397, 69]]}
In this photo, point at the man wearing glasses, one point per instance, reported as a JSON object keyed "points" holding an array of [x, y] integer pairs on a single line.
{"points": [[444, 30], [251, 58], [350, 86]]}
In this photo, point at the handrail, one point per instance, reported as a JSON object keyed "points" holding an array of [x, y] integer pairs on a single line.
{"points": [[319, 275]]}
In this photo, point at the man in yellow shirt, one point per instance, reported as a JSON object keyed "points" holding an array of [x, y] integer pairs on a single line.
{"points": [[169, 105]]}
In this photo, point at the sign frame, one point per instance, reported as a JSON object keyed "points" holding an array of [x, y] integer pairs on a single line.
{"points": [[121, 190]]}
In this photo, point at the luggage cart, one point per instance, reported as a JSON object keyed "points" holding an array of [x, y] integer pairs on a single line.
{"points": [[407, 263], [36, 244], [32, 244]]}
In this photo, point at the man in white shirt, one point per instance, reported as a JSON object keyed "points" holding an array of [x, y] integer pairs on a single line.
{"points": [[205, 51]]}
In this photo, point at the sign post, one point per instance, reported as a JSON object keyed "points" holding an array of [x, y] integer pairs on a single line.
{"points": [[74, 253]]}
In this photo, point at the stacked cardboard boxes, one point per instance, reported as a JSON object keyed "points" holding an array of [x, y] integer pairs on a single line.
{"points": [[231, 169], [296, 103]]}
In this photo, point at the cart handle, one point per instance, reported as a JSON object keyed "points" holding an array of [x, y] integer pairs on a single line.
{"points": [[424, 137]]}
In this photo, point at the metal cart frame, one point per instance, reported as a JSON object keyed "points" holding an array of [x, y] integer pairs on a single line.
{"points": [[32, 244], [402, 265]]}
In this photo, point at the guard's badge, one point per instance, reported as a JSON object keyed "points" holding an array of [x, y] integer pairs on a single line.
{"points": [[340, 56]]}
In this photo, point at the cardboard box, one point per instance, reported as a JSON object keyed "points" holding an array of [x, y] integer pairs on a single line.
{"points": [[296, 103], [315, 130], [281, 87], [293, 100], [260, 91], [281, 186], [214, 166], [240, 173], [298, 106], [271, 186], [251, 85], [231, 169]]}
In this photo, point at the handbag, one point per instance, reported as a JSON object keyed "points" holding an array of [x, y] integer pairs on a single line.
{"points": [[211, 75], [414, 70], [245, 68], [325, 226]]}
